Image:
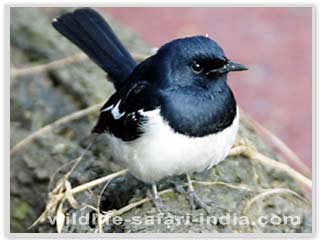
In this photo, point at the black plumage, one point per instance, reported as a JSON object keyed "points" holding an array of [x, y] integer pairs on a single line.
{"points": [[174, 113], [194, 102], [132, 99], [90, 32]]}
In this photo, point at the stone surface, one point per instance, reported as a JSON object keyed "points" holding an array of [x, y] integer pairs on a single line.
{"points": [[37, 100]]}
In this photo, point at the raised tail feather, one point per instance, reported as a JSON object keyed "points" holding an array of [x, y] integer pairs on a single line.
{"points": [[91, 33]]}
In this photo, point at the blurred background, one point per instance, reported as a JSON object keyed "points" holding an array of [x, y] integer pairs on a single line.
{"points": [[276, 45]]}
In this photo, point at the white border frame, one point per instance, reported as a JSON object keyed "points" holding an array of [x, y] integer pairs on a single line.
{"points": [[6, 124]]}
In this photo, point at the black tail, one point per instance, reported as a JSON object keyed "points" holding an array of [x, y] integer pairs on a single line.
{"points": [[90, 32]]}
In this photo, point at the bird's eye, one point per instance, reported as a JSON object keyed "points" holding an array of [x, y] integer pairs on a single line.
{"points": [[197, 68]]}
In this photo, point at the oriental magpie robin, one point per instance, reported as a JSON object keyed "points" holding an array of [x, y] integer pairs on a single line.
{"points": [[172, 114]]}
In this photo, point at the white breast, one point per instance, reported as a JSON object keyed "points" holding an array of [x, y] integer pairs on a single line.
{"points": [[161, 152]]}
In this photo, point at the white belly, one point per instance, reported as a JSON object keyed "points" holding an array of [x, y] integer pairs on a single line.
{"points": [[161, 152]]}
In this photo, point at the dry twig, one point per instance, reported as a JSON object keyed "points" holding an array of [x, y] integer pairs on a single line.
{"points": [[18, 72], [58, 170], [229, 185], [130, 206], [68, 118], [100, 224], [94, 183], [269, 192], [59, 194], [266, 161], [276, 142]]}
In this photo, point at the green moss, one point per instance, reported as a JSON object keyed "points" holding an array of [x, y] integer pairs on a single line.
{"points": [[21, 210]]}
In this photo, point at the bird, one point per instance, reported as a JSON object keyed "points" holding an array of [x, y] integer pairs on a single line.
{"points": [[172, 114]]}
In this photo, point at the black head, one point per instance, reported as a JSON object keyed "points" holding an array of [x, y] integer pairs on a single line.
{"points": [[192, 61], [191, 74]]}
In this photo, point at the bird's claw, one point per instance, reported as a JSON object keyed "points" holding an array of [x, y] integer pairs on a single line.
{"points": [[196, 202], [158, 202], [194, 199], [160, 206], [179, 188]]}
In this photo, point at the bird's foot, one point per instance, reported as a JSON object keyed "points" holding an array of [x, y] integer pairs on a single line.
{"points": [[158, 202], [160, 206], [179, 188], [196, 202], [194, 199]]}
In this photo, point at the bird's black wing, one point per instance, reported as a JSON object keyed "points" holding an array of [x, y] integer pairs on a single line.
{"points": [[90, 32], [122, 115]]}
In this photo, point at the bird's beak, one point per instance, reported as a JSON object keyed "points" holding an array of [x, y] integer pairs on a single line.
{"points": [[232, 66]]}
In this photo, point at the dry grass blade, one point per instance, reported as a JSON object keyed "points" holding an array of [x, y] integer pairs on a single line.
{"points": [[96, 182], [229, 185], [79, 159], [75, 164], [51, 181], [100, 225], [266, 161], [18, 72], [60, 218], [130, 206], [269, 192], [68, 118], [276, 142], [59, 194], [237, 150], [73, 202], [283, 167], [48, 66]]}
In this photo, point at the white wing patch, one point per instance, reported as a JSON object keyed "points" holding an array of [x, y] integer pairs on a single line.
{"points": [[115, 111], [107, 108]]}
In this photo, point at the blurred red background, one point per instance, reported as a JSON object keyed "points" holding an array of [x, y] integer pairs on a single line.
{"points": [[276, 45]]}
